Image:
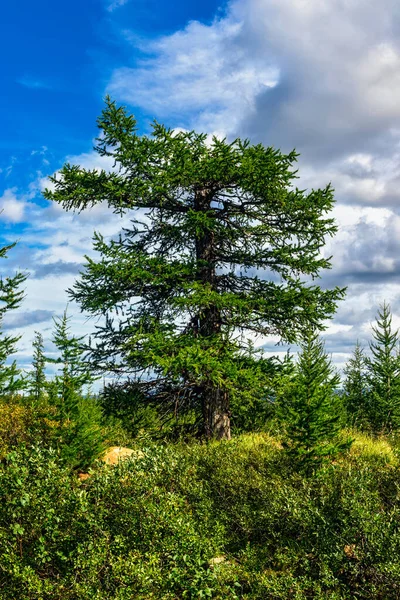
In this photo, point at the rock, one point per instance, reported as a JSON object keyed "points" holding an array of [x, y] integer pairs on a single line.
{"points": [[114, 454], [217, 560]]}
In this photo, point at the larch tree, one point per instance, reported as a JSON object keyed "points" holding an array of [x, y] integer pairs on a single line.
{"points": [[222, 246]]}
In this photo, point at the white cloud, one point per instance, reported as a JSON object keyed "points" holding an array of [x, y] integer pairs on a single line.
{"points": [[289, 71], [12, 208], [203, 69], [42, 151], [340, 80], [91, 161]]}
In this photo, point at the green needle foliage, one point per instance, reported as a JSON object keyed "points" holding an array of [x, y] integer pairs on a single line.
{"points": [[38, 376], [312, 409], [355, 390], [384, 373], [221, 245], [74, 372], [79, 435], [11, 297]]}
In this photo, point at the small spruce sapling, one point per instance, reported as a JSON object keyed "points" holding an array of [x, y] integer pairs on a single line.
{"points": [[355, 389], [312, 409], [37, 377], [384, 374], [80, 434], [74, 373]]}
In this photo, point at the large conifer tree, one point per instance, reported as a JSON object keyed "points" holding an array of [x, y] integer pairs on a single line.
{"points": [[222, 245]]}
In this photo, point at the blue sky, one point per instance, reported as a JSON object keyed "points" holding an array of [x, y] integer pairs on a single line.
{"points": [[57, 62], [321, 77]]}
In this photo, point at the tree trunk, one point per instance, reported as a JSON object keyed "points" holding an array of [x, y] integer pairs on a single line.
{"points": [[216, 413], [214, 400]]}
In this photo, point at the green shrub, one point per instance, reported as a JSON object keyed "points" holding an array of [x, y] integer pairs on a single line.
{"points": [[23, 423], [15, 421], [220, 520], [125, 534], [80, 441]]}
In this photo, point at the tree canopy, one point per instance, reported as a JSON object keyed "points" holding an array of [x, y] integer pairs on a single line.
{"points": [[222, 248]]}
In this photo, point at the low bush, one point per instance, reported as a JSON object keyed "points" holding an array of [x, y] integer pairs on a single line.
{"points": [[79, 441], [228, 520], [21, 423]]}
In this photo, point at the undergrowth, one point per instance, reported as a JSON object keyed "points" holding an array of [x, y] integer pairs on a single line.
{"points": [[223, 520]]}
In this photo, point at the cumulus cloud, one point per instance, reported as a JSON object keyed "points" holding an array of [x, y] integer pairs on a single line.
{"points": [[318, 76], [58, 267], [12, 208], [321, 77], [206, 70], [339, 74]]}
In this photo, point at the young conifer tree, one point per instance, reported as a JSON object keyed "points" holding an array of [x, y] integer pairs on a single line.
{"points": [[11, 297], [384, 373], [74, 372], [355, 390], [221, 246], [311, 408], [37, 377], [80, 437]]}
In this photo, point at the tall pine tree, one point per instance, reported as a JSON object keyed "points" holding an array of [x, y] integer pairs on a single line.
{"points": [[221, 246], [384, 373]]}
